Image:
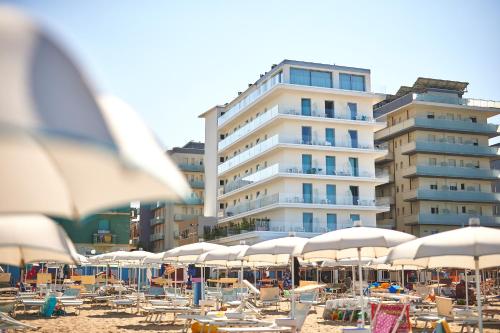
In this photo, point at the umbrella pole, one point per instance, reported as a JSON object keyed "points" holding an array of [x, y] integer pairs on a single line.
{"points": [[175, 281], [353, 282], [241, 284], [361, 298], [466, 292], [403, 276], [292, 306], [478, 295]]}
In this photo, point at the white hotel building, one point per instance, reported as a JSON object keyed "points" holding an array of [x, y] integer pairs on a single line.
{"points": [[294, 152]]}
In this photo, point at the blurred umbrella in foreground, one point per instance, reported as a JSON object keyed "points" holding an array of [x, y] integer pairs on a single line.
{"points": [[34, 238], [62, 155]]}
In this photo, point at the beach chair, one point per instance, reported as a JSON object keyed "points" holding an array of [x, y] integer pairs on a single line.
{"points": [[71, 303], [123, 303], [48, 306], [229, 296], [8, 323], [270, 296], [278, 325], [5, 280], [155, 292]]}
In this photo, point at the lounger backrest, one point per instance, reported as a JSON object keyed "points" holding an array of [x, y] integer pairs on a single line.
{"points": [[269, 294], [156, 291], [5, 278], [422, 291], [308, 297], [72, 292], [444, 306], [301, 312], [229, 294]]}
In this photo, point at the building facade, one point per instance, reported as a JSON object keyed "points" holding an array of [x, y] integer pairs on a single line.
{"points": [[438, 157], [99, 233], [294, 153], [176, 223]]}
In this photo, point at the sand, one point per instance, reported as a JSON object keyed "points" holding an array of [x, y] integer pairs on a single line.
{"points": [[104, 320]]}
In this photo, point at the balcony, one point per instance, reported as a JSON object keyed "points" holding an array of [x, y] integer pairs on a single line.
{"points": [[437, 124], [445, 148], [191, 167], [279, 140], [298, 200], [155, 237], [446, 171], [444, 194], [429, 98], [386, 223], [103, 238], [451, 219], [281, 170], [193, 201], [157, 220], [279, 112], [197, 184], [185, 217], [388, 157]]}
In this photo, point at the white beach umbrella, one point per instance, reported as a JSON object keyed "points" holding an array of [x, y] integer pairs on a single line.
{"points": [[34, 238], [72, 157], [136, 256], [278, 251], [354, 242], [82, 260], [472, 247], [154, 258], [189, 253], [231, 256]]}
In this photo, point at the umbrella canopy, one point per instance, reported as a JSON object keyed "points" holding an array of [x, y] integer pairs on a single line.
{"points": [[345, 262], [81, 260], [190, 252], [137, 256], [275, 251], [50, 119], [344, 243], [34, 238], [231, 256], [382, 264], [154, 258]]}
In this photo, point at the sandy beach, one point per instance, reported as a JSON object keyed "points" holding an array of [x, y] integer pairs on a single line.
{"points": [[105, 320]]}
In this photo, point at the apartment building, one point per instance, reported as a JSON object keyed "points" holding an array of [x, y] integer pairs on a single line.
{"points": [[438, 157], [293, 153], [176, 223]]}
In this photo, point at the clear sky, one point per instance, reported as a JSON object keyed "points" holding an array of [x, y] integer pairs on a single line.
{"points": [[173, 60]]}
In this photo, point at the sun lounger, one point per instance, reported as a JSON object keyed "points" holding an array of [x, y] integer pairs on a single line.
{"points": [[278, 325], [9, 323], [71, 303], [32, 303], [156, 313], [123, 303]]}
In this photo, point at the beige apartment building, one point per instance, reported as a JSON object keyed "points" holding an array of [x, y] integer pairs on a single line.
{"points": [[294, 152], [176, 223], [438, 157]]}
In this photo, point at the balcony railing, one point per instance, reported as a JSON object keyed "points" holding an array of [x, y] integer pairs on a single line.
{"points": [[447, 148], [193, 201], [197, 184], [157, 220], [451, 219], [191, 167], [469, 195], [273, 113], [278, 139], [448, 171], [185, 217], [437, 124], [155, 237], [291, 198], [295, 169]]}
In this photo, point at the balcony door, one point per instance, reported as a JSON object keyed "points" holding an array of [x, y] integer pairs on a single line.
{"points": [[354, 190], [305, 107], [306, 163], [307, 192], [307, 222], [331, 194], [331, 222], [306, 135], [353, 166], [330, 165], [329, 109], [353, 110], [330, 136], [353, 137]]}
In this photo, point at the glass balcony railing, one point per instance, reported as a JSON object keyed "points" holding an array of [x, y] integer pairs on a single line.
{"points": [[191, 167], [277, 139], [197, 184], [155, 237], [193, 201], [449, 171], [273, 113], [446, 148], [185, 217], [469, 195], [451, 219], [157, 220], [278, 168], [437, 124], [290, 198]]}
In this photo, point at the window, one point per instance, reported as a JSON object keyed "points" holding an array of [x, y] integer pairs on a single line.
{"points": [[355, 217], [330, 136], [473, 119], [352, 108], [307, 192], [432, 161], [434, 210], [307, 222], [330, 165], [464, 210], [305, 107], [329, 109], [331, 194], [453, 186], [434, 186], [355, 194], [310, 78], [352, 82], [452, 163], [430, 115], [462, 186], [306, 163], [103, 225], [331, 222], [353, 136], [353, 165], [306, 135]]}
